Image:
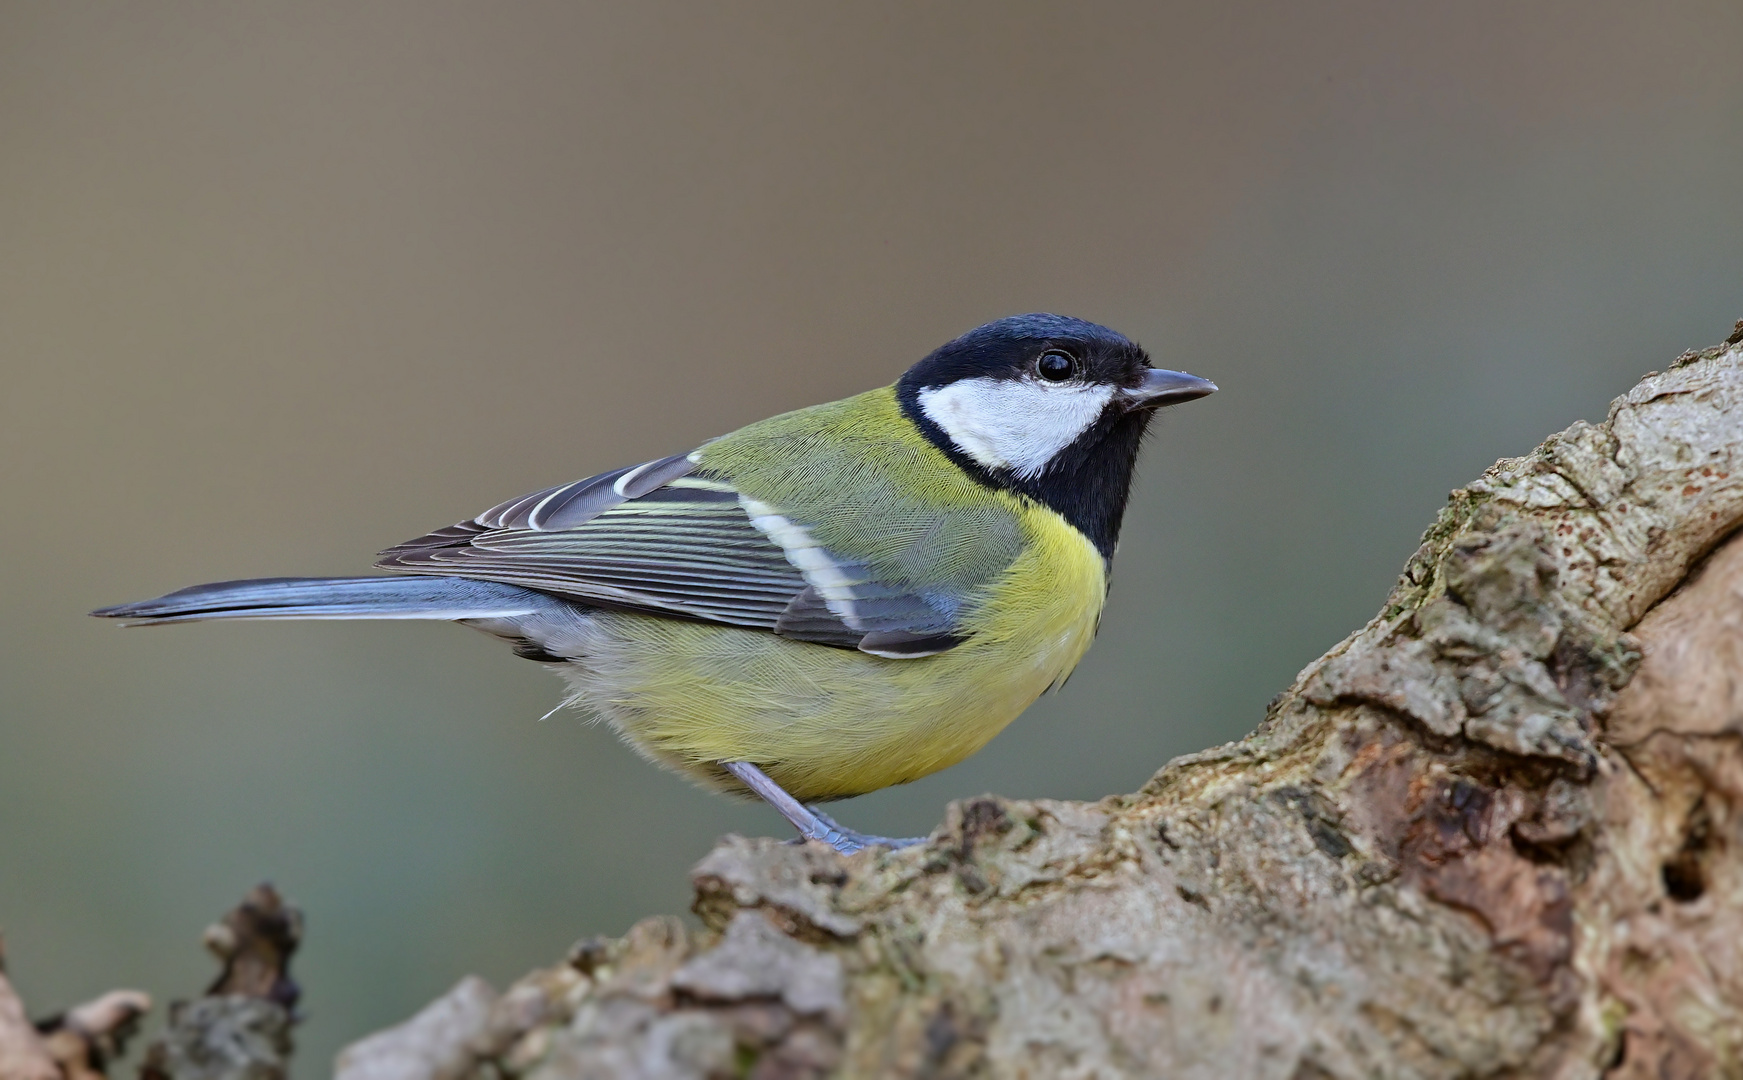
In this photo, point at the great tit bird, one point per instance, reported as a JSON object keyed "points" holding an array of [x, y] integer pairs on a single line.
{"points": [[820, 604]]}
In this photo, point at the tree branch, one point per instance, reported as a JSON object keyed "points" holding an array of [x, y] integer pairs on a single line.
{"points": [[1480, 837]]}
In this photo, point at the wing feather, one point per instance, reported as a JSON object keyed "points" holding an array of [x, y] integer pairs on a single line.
{"points": [[660, 539]]}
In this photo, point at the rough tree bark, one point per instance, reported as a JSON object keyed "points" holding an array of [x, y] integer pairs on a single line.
{"points": [[1497, 832], [1494, 833], [239, 1029]]}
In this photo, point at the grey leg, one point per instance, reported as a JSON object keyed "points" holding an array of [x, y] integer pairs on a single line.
{"points": [[812, 823]]}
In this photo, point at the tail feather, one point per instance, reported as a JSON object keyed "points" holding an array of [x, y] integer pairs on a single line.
{"points": [[333, 598]]}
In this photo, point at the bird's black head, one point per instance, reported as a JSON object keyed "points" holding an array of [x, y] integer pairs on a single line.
{"points": [[1046, 406]]}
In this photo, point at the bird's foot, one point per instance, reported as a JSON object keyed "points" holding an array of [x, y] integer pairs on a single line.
{"points": [[812, 823], [848, 840]]}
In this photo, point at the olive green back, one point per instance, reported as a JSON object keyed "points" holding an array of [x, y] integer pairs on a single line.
{"points": [[870, 487]]}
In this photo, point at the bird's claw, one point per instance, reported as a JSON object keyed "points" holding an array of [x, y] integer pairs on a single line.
{"points": [[847, 841], [812, 823]]}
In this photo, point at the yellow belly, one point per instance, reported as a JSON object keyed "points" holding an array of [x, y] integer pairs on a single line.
{"points": [[828, 723]]}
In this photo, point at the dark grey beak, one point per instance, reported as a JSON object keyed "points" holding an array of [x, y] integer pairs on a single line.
{"points": [[1161, 388]]}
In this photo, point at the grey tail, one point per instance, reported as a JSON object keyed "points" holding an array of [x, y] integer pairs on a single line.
{"points": [[334, 598]]}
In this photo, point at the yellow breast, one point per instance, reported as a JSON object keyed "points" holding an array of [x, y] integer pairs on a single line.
{"points": [[829, 723]]}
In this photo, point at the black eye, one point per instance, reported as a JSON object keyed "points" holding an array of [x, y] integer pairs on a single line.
{"points": [[1055, 366]]}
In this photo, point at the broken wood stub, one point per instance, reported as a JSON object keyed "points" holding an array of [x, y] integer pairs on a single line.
{"points": [[241, 1028]]}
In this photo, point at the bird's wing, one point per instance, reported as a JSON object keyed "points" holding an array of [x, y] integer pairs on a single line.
{"points": [[668, 538]]}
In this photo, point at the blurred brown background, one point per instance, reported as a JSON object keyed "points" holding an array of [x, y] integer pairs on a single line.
{"points": [[283, 284]]}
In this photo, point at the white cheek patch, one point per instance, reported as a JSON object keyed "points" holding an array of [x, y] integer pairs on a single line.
{"points": [[1015, 424]]}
